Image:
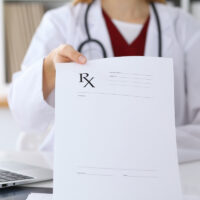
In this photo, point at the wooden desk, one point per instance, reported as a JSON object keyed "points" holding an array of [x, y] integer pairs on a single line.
{"points": [[3, 102], [3, 96]]}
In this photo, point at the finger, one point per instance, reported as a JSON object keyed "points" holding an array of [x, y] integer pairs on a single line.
{"points": [[61, 59], [69, 52]]}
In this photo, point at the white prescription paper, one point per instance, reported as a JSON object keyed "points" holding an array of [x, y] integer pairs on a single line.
{"points": [[40, 196], [115, 130]]}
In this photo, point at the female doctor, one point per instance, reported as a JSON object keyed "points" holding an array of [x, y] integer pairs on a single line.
{"points": [[88, 29]]}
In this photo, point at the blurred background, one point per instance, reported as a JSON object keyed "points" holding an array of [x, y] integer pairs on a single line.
{"points": [[18, 22]]}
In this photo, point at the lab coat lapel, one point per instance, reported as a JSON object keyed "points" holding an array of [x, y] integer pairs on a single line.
{"points": [[98, 28], [151, 48]]}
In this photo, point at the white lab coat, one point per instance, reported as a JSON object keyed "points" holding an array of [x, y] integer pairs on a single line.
{"points": [[65, 25]]}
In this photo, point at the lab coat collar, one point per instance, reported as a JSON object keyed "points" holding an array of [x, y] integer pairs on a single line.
{"points": [[98, 29]]}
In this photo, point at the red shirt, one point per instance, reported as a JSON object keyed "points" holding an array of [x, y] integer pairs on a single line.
{"points": [[119, 44]]}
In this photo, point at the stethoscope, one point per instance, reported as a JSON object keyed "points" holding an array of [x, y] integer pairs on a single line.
{"points": [[91, 40]]}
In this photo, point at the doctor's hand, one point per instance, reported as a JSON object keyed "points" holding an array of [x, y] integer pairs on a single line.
{"points": [[62, 54]]}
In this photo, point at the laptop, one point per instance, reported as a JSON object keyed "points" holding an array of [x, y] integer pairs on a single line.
{"points": [[13, 173]]}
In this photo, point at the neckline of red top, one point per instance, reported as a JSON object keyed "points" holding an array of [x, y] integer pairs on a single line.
{"points": [[120, 45]]}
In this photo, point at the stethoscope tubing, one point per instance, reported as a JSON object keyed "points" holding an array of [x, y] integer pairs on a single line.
{"points": [[90, 40], [159, 30]]}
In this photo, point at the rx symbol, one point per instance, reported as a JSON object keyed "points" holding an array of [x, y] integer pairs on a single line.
{"points": [[84, 78]]}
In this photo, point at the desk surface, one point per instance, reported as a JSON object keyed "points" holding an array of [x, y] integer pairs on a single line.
{"points": [[189, 173]]}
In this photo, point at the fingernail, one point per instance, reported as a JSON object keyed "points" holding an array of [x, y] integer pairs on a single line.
{"points": [[82, 59]]}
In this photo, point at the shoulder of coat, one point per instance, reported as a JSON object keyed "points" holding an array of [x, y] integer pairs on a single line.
{"points": [[182, 24], [176, 15]]}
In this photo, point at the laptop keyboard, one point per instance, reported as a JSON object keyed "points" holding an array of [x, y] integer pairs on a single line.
{"points": [[6, 176]]}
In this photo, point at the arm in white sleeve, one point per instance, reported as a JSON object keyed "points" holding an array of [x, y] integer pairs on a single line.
{"points": [[188, 136], [31, 111]]}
